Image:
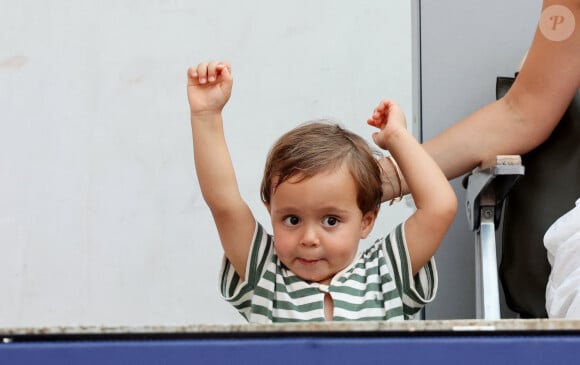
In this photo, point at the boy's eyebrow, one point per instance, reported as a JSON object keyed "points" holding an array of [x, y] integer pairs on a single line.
{"points": [[332, 209], [284, 210], [336, 210]]}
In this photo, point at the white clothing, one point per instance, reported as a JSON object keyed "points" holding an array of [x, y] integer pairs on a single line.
{"points": [[562, 240]]}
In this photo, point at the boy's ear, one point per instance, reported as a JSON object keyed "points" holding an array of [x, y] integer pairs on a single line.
{"points": [[368, 222]]}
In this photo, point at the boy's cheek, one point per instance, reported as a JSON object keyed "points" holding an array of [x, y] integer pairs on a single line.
{"points": [[282, 244]]}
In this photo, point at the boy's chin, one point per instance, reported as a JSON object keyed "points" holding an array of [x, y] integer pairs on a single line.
{"points": [[317, 279]]}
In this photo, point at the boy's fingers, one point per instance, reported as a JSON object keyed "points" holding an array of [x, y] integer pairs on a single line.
{"points": [[211, 71], [225, 72], [202, 73], [222, 65], [208, 72], [192, 76], [224, 69], [192, 72]]}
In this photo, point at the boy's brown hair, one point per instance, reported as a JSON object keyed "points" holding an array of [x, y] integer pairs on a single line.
{"points": [[320, 146]]}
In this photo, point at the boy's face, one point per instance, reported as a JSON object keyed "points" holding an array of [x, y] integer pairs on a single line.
{"points": [[318, 224]]}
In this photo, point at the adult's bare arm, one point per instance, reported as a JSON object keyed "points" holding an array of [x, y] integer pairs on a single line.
{"points": [[524, 117]]}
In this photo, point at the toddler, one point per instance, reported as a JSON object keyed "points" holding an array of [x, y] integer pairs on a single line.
{"points": [[322, 187]]}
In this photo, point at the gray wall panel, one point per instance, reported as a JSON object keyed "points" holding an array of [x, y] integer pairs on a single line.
{"points": [[464, 46]]}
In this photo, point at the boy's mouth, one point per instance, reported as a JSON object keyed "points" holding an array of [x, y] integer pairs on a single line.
{"points": [[304, 261]]}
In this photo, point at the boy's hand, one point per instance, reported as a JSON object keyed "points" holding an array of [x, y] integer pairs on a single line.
{"points": [[389, 118], [209, 87]]}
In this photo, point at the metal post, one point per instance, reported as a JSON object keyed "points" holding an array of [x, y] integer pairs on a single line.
{"points": [[487, 290]]}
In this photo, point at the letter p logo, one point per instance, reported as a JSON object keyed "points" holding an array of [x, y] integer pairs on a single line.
{"points": [[557, 23], [556, 19]]}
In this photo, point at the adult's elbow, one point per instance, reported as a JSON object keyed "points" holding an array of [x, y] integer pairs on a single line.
{"points": [[532, 121]]}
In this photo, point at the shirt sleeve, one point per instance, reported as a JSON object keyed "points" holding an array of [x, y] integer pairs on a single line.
{"points": [[239, 292], [417, 290]]}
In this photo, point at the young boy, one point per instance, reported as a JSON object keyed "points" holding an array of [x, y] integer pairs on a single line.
{"points": [[322, 188]]}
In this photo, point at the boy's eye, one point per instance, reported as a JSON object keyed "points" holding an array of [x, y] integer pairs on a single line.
{"points": [[292, 220], [330, 221]]}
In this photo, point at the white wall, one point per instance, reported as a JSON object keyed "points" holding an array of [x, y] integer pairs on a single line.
{"points": [[101, 217]]}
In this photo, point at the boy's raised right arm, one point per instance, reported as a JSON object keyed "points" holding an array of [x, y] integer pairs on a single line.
{"points": [[208, 89]]}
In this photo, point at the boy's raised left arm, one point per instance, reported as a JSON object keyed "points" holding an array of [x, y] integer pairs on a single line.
{"points": [[434, 198]]}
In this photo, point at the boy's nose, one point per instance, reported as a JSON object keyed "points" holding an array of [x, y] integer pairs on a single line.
{"points": [[310, 237]]}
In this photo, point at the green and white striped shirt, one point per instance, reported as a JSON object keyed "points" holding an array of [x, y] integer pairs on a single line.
{"points": [[377, 285]]}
